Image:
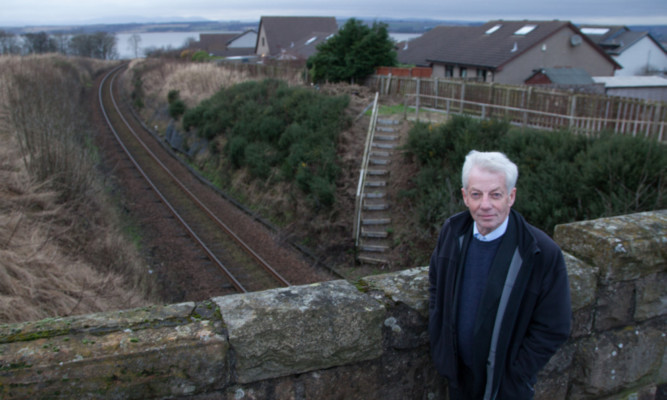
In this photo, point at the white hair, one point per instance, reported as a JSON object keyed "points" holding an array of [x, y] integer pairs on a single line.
{"points": [[492, 162]]}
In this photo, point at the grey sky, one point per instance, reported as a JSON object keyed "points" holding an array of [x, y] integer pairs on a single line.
{"points": [[63, 12]]}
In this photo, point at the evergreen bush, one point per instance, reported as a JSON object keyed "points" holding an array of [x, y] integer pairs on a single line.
{"points": [[270, 126], [563, 177]]}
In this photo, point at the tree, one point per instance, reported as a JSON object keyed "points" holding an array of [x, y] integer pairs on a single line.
{"points": [[100, 45], [9, 43], [353, 53], [134, 41], [39, 43]]}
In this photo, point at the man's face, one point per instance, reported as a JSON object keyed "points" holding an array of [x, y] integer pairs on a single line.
{"points": [[487, 199]]}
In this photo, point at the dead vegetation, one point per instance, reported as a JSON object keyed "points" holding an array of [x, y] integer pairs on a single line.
{"points": [[62, 251]]}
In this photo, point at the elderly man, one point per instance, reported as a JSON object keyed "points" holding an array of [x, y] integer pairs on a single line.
{"points": [[499, 295]]}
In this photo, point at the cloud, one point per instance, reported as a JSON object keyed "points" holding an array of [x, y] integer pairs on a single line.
{"points": [[21, 12]]}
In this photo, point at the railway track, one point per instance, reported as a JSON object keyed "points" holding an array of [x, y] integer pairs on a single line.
{"points": [[188, 201]]}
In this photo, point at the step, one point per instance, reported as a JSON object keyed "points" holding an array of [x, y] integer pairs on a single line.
{"points": [[378, 161], [376, 183], [386, 137], [377, 172], [384, 129], [387, 121], [375, 195], [384, 145], [375, 221], [366, 259], [374, 234], [373, 248], [376, 207], [376, 153]]}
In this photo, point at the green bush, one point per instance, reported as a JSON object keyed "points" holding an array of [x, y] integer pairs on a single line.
{"points": [[200, 56], [173, 95], [563, 177], [176, 108], [269, 125]]}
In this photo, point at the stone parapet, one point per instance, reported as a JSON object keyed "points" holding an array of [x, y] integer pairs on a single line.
{"points": [[361, 340]]}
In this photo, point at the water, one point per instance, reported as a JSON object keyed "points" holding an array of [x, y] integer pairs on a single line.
{"points": [[160, 40], [177, 40]]}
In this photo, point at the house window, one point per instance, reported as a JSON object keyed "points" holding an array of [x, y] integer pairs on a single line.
{"points": [[525, 30], [263, 43], [481, 75], [493, 29], [463, 72], [449, 71]]}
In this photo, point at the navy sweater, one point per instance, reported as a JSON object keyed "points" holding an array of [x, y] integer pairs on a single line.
{"points": [[473, 282]]}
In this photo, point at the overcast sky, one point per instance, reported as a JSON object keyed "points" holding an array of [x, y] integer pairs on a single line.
{"points": [[64, 12]]}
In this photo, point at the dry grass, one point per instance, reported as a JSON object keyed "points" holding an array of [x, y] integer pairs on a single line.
{"points": [[194, 81], [61, 248]]}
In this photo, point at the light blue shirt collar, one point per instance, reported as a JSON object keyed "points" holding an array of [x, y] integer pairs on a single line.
{"points": [[498, 232]]}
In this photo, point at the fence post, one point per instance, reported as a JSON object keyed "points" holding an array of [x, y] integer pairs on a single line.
{"points": [[417, 99], [463, 95], [656, 120], [573, 107], [388, 83]]}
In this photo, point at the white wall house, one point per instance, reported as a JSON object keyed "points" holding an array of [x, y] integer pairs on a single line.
{"points": [[638, 53], [644, 57]]}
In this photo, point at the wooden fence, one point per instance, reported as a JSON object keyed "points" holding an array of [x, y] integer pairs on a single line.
{"points": [[529, 106]]}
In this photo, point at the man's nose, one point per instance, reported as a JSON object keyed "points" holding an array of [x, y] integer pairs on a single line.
{"points": [[486, 201]]}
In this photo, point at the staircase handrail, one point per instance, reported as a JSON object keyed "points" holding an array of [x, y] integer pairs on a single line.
{"points": [[364, 169]]}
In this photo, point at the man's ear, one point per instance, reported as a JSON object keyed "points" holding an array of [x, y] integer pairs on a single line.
{"points": [[512, 196]]}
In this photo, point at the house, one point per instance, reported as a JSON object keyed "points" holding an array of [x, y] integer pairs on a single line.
{"points": [[293, 38], [639, 53], [506, 51], [639, 87], [243, 44], [228, 44]]}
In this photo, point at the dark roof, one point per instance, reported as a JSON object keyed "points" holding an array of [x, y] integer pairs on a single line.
{"points": [[566, 76], [418, 50], [491, 45], [216, 42], [285, 33], [307, 46], [615, 39]]}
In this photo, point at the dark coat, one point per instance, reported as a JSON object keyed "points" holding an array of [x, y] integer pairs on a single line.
{"points": [[534, 324]]}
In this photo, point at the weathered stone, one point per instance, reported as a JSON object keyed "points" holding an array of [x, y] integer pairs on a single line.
{"points": [[149, 363], [615, 306], [409, 287], [651, 297], [583, 281], [97, 323], [301, 328], [614, 361], [554, 378], [624, 247]]}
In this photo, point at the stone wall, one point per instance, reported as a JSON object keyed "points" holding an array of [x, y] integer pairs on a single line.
{"points": [[338, 340]]}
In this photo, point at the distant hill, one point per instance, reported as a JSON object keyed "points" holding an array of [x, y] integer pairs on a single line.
{"points": [[394, 25], [178, 26]]}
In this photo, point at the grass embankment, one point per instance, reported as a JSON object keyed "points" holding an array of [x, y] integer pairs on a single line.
{"points": [[62, 251], [283, 149]]}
